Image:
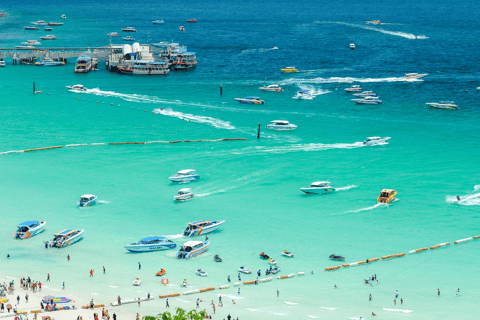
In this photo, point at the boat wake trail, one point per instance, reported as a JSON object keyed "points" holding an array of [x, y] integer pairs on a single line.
{"points": [[258, 50], [329, 308], [127, 97], [378, 205], [299, 81], [299, 147], [290, 303], [345, 188], [175, 236], [311, 94], [217, 123], [103, 201], [393, 33], [313, 317], [398, 310], [472, 199]]}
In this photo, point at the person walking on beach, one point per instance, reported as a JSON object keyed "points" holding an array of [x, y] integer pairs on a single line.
{"points": [[229, 317], [139, 266], [39, 286], [103, 269], [370, 297], [148, 296], [18, 299], [91, 272], [48, 277], [278, 293], [26, 297], [219, 299], [214, 308], [138, 316], [239, 278], [167, 305], [198, 302], [139, 301]]}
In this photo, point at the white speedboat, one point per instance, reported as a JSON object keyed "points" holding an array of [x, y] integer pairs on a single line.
{"points": [[112, 34], [151, 244], [244, 270], [65, 238], [39, 23], [272, 87], [2, 64], [128, 38], [137, 282], [442, 105], [319, 187], [352, 46], [48, 37], [184, 176], [29, 229], [129, 29], [201, 227], [77, 87], [31, 43], [87, 200], [281, 125], [368, 100], [271, 261], [415, 75], [64, 16], [26, 47], [160, 44], [48, 28], [158, 22], [287, 254], [365, 94], [355, 88], [184, 194], [192, 249], [373, 141], [201, 273], [250, 100]]}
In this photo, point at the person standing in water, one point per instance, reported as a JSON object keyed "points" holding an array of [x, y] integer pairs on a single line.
{"points": [[167, 305], [228, 278], [63, 285], [103, 269], [238, 291], [278, 293], [438, 291], [370, 297], [139, 266], [68, 257], [48, 277]]}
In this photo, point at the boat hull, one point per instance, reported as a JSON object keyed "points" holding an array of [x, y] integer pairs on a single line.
{"points": [[249, 101], [310, 190], [72, 240], [150, 248], [87, 204], [202, 231], [194, 253], [183, 197], [183, 179], [282, 128], [30, 233]]}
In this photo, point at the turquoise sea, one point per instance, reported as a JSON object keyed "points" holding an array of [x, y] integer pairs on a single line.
{"points": [[433, 155]]}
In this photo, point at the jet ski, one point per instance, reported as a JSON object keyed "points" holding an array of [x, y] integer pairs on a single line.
{"points": [[274, 270], [287, 254], [202, 273], [337, 258], [264, 256], [271, 261], [217, 258], [243, 270]]}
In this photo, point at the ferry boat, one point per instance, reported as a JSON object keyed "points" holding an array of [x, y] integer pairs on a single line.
{"points": [[158, 22], [65, 238], [128, 38], [77, 87], [192, 249], [184, 176], [148, 244], [373, 141], [201, 227], [83, 64], [415, 75], [49, 62], [387, 196], [442, 105], [185, 61], [192, 20], [139, 67], [31, 28], [289, 70], [39, 23], [368, 100], [64, 16], [354, 88], [319, 187], [250, 100], [112, 34], [48, 28], [55, 23], [31, 43], [244, 270], [373, 22], [87, 200], [184, 194], [129, 29], [272, 87], [201, 273], [281, 125], [29, 229], [48, 37], [365, 94]]}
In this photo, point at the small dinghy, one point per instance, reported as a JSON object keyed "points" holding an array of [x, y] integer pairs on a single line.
{"points": [[201, 273], [244, 270], [217, 258], [337, 258], [287, 254], [271, 261], [161, 272], [264, 256], [137, 282]]}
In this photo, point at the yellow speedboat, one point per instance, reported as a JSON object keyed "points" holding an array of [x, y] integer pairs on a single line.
{"points": [[387, 196], [289, 70]]}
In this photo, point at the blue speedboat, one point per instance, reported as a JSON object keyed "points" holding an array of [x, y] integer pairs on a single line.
{"points": [[192, 249], [184, 176], [151, 244], [87, 200], [28, 229], [49, 62], [65, 238], [250, 100], [199, 228]]}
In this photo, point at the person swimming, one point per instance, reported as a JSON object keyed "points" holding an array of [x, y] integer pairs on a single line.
{"points": [[458, 198]]}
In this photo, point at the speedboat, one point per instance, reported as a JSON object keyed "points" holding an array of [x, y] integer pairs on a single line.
{"points": [[184, 194], [368, 100], [64, 16], [112, 34], [182, 28], [87, 200], [264, 256], [29, 229], [183, 176], [319, 187], [201, 273], [201, 227], [161, 272], [274, 270], [192, 249], [274, 48], [271, 261], [77, 87], [2, 64], [354, 88], [148, 244], [373, 141], [272, 87], [415, 75], [192, 20], [137, 282], [337, 258], [48, 28], [244, 270], [129, 29], [158, 21], [65, 238], [217, 258], [442, 105], [250, 100], [129, 38], [25, 47], [31, 28], [281, 125], [31, 43], [39, 23], [303, 92], [352, 46], [289, 70], [49, 62], [287, 254], [49, 37], [160, 44], [373, 22], [55, 23], [387, 196], [365, 94]]}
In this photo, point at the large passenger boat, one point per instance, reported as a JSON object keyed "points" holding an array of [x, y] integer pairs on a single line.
{"points": [[83, 64]]}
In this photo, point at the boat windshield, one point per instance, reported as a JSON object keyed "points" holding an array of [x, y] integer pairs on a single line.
{"points": [[22, 229]]}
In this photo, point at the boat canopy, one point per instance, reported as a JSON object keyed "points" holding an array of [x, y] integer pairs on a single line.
{"points": [[192, 243], [87, 196], [317, 183], [273, 86], [64, 232], [449, 102], [373, 138], [186, 171], [387, 190], [86, 58], [152, 239], [28, 223], [252, 98], [280, 122]]}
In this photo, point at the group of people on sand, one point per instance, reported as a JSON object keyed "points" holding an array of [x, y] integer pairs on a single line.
{"points": [[28, 284]]}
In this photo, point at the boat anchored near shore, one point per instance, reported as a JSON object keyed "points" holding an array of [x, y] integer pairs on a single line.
{"points": [[65, 238], [201, 227], [29, 229], [192, 249], [156, 243]]}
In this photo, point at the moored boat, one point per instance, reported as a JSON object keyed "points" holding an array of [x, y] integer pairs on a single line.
{"points": [[319, 187], [48, 37], [29, 229], [250, 100], [373, 141], [368, 100], [201, 273], [192, 249], [289, 70], [373, 22], [287, 254], [113, 34], [387, 196], [201, 227], [354, 88], [336, 258], [48, 28], [83, 64], [87, 200], [186, 175], [217, 258], [31, 43], [128, 38], [442, 105], [77, 87], [271, 261], [192, 20], [272, 87], [365, 94], [39, 23], [64, 16], [244, 270], [55, 23], [161, 272], [49, 62], [137, 282], [415, 75], [129, 29], [156, 243], [31, 28], [274, 270], [65, 238], [352, 46], [281, 125], [158, 22]]}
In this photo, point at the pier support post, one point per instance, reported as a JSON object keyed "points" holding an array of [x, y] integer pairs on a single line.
{"points": [[221, 89], [258, 133], [33, 87]]}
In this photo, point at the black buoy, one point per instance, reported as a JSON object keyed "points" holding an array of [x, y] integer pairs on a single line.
{"points": [[221, 89], [33, 86]]}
